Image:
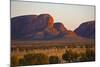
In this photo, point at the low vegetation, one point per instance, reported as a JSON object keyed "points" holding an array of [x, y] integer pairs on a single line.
{"points": [[70, 56], [53, 55], [54, 60]]}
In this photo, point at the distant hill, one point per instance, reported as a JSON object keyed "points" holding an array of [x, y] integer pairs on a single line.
{"points": [[86, 29], [41, 27]]}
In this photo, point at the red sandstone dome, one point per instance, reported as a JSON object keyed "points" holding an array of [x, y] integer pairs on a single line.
{"points": [[28, 26]]}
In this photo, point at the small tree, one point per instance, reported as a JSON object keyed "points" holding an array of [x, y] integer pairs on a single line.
{"points": [[70, 56], [54, 60], [67, 56]]}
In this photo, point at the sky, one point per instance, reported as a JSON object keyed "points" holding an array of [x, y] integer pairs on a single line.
{"points": [[70, 15]]}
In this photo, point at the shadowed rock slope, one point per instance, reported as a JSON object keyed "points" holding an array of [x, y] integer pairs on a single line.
{"points": [[86, 29]]}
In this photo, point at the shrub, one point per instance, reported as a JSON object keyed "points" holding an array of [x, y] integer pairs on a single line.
{"points": [[83, 57], [34, 59], [26, 60], [89, 55], [74, 56], [54, 60], [40, 59], [14, 61], [70, 56], [67, 56]]}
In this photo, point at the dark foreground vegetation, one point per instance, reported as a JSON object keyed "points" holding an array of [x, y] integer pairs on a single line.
{"points": [[41, 58]]}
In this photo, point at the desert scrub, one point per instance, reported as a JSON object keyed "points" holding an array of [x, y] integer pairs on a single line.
{"points": [[34, 59], [70, 56], [54, 60], [14, 60]]}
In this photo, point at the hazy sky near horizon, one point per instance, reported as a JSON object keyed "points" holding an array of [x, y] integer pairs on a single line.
{"points": [[70, 15]]}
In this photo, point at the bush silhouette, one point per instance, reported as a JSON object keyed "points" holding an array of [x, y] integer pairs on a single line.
{"points": [[34, 59], [67, 56], [70, 56], [26, 60], [54, 60], [40, 58]]}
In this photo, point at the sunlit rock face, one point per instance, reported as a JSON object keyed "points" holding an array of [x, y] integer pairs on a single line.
{"points": [[30, 26], [43, 21]]}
